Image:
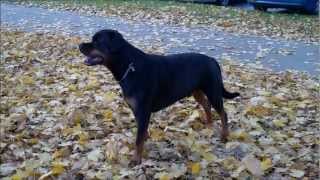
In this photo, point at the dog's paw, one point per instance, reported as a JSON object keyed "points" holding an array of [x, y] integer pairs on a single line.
{"points": [[209, 123], [224, 136], [224, 139], [135, 161]]}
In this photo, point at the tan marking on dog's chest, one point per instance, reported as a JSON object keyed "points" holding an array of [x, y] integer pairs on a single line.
{"points": [[132, 102]]}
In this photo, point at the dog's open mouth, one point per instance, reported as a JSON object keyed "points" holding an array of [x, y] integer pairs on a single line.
{"points": [[93, 60], [93, 55]]}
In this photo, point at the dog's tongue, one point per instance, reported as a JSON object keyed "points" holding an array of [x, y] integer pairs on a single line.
{"points": [[90, 61]]}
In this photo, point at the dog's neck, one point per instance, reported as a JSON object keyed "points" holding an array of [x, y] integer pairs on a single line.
{"points": [[120, 62]]}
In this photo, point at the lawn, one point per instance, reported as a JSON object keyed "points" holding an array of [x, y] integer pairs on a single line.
{"points": [[62, 119]]}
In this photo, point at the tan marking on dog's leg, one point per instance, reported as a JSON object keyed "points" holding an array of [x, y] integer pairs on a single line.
{"points": [[203, 101], [138, 153], [224, 123]]}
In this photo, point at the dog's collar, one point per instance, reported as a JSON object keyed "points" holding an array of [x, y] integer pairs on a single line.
{"points": [[130, 68]]}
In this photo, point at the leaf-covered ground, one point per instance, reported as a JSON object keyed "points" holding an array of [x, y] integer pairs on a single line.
{"points": [[62, 119], [289, 26]]}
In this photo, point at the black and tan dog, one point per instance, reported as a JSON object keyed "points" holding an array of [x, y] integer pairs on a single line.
{"points": [[152, 82]]}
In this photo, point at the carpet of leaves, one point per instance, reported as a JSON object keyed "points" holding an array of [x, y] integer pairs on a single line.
{"points": [[290, 26], [63, 120]]}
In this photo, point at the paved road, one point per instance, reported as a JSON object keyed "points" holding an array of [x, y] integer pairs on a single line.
{"points": [[276, 54]]}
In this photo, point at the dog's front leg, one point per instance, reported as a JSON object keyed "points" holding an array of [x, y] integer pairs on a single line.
{"points": [[142, 116]]}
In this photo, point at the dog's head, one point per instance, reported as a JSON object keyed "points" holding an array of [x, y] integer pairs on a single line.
{"points": [[103, 45]]}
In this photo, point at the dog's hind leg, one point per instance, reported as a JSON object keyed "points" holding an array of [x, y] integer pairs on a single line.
{"points": [[216, 100], [203, 101]]}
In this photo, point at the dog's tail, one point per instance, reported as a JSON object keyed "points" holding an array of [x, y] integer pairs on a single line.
{"points": [[229, 95], [225, 93]]}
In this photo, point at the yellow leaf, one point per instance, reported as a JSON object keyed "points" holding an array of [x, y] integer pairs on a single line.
{"points": [[57, 154], [279, 123], [72, 87], [19, 136], [20, 175], [225, 24], [230, 163], [78, 93], [61, 153], [77, 119], [276, 101], [207, 132], [16, 177], [27, 80], [107, 115], [164, 176], [266, 164], [195, 168], [76, 116], [93, 84], [209, 156], [49, 80], [83, 138], [157, 134], [111, 150], [57, 168], [33, 141], [258, 111], [109, 96], [195, 115], [197, 125], [240, 135], [67, 131], [75, 130], [183, 113]]}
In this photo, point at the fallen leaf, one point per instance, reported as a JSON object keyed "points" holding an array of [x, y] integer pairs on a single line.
{"points": [[57, 168], [296, 173], [95, 155], [163, 176], [253, 165], [108, 115], [177, 170], [259, 111], [195, 168], [109, 96], [239, 135], [63, 152], [83, 138], [279, 123], [157, 134], [27, 80], [266, 164]]}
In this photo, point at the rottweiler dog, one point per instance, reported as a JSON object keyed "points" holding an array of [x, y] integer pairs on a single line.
{"points": [[152, 82]]}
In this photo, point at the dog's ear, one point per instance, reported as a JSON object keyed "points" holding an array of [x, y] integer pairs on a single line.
{"points": [[116, 41]]}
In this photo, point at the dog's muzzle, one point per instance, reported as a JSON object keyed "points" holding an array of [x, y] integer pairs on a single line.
{"points": [[94, 57]]}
